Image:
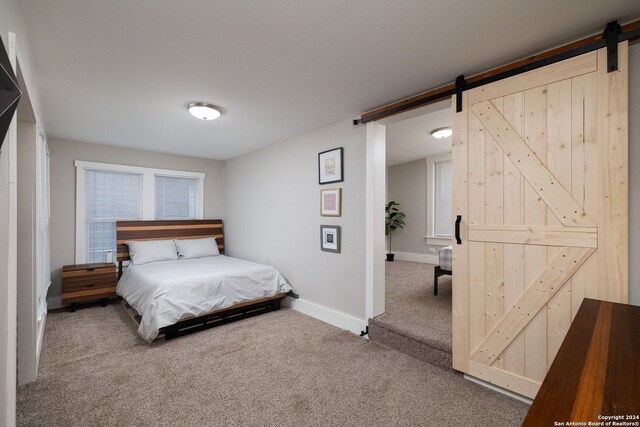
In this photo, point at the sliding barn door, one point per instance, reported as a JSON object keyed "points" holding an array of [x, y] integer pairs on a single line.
{"points": [[540, 183]]}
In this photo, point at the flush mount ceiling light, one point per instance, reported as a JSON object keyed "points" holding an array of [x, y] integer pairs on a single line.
{"points": [[441, 133], [204, 111]]}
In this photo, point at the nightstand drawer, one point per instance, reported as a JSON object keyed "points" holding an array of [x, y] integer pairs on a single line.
{"points": [[78, 285], [88, 272], [88, 295]]}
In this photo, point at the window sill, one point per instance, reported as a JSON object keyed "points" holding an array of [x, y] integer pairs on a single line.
{"points": [[438, 240]]}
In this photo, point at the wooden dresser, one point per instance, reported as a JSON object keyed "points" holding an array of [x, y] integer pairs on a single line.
{"points": [[596, 373], [88, 282]]}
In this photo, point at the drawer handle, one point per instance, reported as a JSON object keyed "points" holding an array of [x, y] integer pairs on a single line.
{"points": [[89, 286], [90, 269]]}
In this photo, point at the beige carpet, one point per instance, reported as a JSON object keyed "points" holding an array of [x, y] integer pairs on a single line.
{"points": [[411, 309], [282, 368]]}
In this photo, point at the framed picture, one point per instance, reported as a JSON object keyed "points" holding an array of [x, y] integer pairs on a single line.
{"points": [[330, 166], [331, 202], [330, 238]]}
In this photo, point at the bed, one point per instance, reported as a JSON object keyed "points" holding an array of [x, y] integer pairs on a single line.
{"points": [[171, 298], [444, 268]]}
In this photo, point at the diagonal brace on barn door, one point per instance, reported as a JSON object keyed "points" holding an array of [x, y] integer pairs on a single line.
{"points": [[561, 268], [561, 203]]}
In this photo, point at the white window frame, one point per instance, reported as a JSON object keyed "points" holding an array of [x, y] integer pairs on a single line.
{"points": [[432, 239], [148, 195]]}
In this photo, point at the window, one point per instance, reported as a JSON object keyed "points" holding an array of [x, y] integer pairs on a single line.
{"points": [[110, 196], [176, 198], [442, 199], [108, 193]]}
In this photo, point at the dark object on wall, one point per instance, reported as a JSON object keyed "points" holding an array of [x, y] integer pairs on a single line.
{"points": [[331, 166], [9, 93], [330, 238]]}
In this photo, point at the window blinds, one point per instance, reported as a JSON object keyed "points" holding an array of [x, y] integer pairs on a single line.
{"points": [[110, 196], [43, 259], [442, 199], [176, 198]]}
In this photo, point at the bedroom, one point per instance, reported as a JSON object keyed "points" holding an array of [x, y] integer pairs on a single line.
{"points": [[110, 84]]}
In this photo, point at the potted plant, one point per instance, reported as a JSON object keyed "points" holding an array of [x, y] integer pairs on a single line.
{"points": [[394, 219]]}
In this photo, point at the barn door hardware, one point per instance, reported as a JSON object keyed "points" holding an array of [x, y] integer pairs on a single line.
{"points": [[459, 90], [458, 239], [611, 35]]}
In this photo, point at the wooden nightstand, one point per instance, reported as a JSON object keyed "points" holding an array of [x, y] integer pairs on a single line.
{"points": [[88, 282]]}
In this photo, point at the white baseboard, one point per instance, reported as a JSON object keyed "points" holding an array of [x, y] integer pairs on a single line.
{"points": [[328, 315], [498, 389], [424, 258]]}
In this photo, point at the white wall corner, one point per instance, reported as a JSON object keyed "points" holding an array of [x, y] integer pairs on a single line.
{"points": [[327, 315], [413, 257], [375, 217]]}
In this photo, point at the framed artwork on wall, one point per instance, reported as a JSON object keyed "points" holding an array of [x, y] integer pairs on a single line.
{"points": [[330, 166], [331, 202], [330, 238]]}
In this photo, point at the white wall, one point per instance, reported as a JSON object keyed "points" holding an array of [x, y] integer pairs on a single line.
{"points": [[407, 185], [634, 174], [63, 194], [272, 205], [411, 185], [10, 21]]}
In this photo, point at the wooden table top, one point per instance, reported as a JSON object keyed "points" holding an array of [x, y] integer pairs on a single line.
{"points": [[596, 372]]}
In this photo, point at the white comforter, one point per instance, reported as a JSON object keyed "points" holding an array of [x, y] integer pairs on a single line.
{"points": [[165, 292]]}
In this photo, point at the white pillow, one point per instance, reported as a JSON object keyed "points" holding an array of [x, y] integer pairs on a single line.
{"points": [[197, 248], [144, 252]]}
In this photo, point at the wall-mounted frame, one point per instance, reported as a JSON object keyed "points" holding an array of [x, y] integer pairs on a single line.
{"points": [[331, 166], [330, 238], [331, 202]]}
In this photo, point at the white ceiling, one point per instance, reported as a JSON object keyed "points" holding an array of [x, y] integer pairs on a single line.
{"points": [[121, 72], [411, 139]]}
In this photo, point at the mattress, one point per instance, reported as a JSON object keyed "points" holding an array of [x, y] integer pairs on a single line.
{"points": [[444, 256], [165, 292]]}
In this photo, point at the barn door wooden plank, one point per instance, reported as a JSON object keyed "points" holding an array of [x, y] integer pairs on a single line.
{"points": [[535, 135], [544, 183], [476, 215], [613, 179], [514, 283], [584, 178], [494, 214], [460, 253], [581, 237], [547, 284], [558, 158], [582, 64]]}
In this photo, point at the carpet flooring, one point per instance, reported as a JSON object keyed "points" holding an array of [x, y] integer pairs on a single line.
{"points": [[281, 368], [411, 309]]}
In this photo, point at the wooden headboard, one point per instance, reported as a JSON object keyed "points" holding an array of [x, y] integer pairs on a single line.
{"points": [[127, 231]]}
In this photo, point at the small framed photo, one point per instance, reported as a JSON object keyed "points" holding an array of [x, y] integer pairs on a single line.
{"points": [[330, 166], [331, 202], [330, 238]]}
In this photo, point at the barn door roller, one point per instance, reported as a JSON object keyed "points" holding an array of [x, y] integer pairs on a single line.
{"points": [[611, 35], [459, 90]]}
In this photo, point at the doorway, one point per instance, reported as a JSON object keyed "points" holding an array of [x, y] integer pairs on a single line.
{"points": [[417, 176]]}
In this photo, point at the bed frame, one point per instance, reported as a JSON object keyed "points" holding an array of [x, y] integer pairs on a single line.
{"points": [[127, 231], [437, 272]]}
